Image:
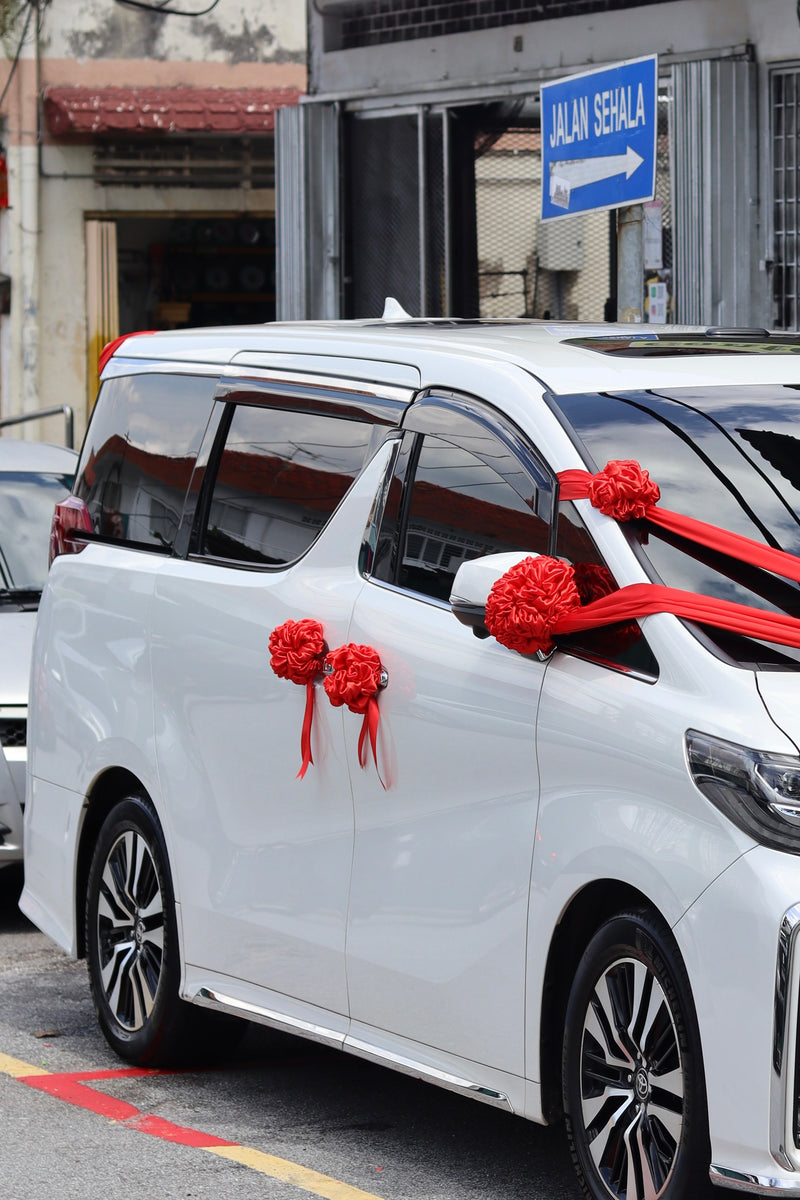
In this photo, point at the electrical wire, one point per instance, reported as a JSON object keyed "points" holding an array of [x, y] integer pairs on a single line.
{"points": [[4, 92], [155, 7]]}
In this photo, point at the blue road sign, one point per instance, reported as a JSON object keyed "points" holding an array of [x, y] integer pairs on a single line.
{"points": [[599, 139]]}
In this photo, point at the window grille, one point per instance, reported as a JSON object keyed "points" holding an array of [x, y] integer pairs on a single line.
{"points": [[378, 22], [785, 99]]}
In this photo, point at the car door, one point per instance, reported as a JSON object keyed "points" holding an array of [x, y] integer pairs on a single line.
{"points": [[262, 859], [442, 858]]}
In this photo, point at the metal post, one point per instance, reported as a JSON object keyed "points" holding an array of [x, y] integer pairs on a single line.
{"points": [[422, 196], [630, 264], [448, 249]]}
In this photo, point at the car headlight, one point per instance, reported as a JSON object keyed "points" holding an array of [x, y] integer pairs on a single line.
{"points": [[759, 792]]}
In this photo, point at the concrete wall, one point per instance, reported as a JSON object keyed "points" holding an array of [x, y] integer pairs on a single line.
{"points": [[98, 43], [489, 57]]}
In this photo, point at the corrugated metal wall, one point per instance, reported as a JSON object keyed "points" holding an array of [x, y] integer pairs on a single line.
{"points": [[714, 151], [307, 212]]}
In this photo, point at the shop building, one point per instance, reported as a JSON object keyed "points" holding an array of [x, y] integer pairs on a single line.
{"points": [[413, 167], [140, 159]]}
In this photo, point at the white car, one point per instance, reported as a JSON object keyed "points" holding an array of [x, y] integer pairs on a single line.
{"points": [[432, 690], [34, 477]]}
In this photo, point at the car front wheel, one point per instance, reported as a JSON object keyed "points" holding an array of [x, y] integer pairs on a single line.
{"points": [[634, 1095]]}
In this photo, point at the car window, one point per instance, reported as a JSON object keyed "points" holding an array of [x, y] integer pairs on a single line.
{"points": [[725, 454], [27, 500], [622, 645], [460, 507], [280, 476], [138, 455]]}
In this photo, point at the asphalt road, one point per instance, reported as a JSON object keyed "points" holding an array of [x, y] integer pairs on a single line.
{"points": [[279, 1101]]}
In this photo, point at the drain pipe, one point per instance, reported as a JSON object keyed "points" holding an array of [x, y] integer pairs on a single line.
{"points": [[29, 241], [630, 264]]}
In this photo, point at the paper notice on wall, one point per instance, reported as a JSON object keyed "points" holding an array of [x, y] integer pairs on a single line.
{"points": [[657, 298], [653, 238]]}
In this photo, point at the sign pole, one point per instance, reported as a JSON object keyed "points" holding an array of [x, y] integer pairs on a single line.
{"points": [[630, 264]]}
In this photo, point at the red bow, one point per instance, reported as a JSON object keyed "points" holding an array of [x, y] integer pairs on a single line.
{"points": [[624, 490], [354, 676], [297, 651], [538, 598]]}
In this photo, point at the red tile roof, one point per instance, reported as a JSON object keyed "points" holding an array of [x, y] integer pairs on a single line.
{"points": [[142, 110]]}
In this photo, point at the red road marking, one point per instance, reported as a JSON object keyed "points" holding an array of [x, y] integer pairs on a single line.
{"points": [[72, 1087]]}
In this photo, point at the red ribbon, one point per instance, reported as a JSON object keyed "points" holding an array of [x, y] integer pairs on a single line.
{"points": [[297, 650], [583, 485], [644, 599], [305, 733], [369, 727], [525, 609], [354, 679]]}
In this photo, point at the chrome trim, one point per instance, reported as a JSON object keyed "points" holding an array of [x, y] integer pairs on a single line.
{"points": [[267, 374], [266, 1016], [118, 368], [225, 368], [784, 1034], [408, 1066], [758, 1185]]}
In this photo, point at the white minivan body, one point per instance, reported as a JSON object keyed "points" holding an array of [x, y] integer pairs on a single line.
{"points": [[568, 853]]}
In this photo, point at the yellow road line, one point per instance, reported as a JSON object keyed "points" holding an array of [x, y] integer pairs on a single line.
{"points": [[290, 1172], [18, 1069]]}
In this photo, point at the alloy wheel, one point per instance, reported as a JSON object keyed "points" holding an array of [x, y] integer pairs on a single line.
{"points": [[130, 930], [632, 1082]]}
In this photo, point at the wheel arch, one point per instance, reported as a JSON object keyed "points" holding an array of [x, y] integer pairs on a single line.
{"points": [[104, 793], [588, 909]]}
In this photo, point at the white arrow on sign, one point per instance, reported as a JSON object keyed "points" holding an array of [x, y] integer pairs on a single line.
{"points": [[577, 172]]}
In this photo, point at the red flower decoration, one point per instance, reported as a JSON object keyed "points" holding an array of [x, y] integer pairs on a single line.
{"points": [[297, 649], [355, 676], [623, 490], [525, 604]]}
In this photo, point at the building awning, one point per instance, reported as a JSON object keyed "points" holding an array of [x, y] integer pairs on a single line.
{"points": [[85, 111]]}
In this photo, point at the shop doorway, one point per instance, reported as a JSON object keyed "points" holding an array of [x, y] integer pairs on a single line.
{"points": [[186, 271]]}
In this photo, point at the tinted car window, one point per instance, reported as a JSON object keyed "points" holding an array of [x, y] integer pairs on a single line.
{"points": [[461, 508], [622, 645], [726, 455], [280, 477], [139, 453]]}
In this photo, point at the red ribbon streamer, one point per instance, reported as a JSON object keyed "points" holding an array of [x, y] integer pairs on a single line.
{"points": [[575, 485], [644, 599], [305, 733], [369, 727], [354, 680]]}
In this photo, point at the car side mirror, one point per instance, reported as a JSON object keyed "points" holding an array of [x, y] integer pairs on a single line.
{"points": [[474, 581]]}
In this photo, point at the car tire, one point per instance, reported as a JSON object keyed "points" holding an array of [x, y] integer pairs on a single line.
{"points": [[633, 1085], [132, 948]]}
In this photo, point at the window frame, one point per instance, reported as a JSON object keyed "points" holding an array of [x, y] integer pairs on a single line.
{"points": [[367, 404], [444, 414]]}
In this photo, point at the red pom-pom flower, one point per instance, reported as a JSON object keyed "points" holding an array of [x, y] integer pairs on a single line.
{"points": [[525, 604], [354, 676], [623, 489], [297, 650]]}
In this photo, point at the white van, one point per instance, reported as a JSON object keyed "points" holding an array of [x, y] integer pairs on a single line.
{"points": [[357, 711]]}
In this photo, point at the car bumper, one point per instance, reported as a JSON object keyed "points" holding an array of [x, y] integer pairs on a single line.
{"points": [[741, 945]]}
